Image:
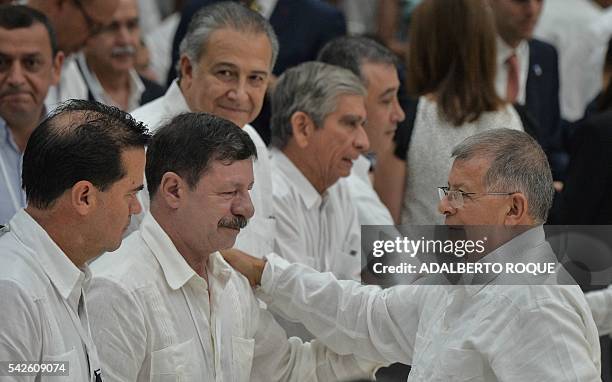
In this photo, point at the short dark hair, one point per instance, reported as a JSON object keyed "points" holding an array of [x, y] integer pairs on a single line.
{"points": [[351, 52], [79, 140], [189, 143], [20, 16]]}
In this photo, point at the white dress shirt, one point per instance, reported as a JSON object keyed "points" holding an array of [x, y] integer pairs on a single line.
{"points": [[43, 315], [600, 302], [568, 26], [98, 92], [12, 196], [71, 85], [448, 333], [504, 51], [321, 231], [370, 209], [155, 319], [256, 239]]}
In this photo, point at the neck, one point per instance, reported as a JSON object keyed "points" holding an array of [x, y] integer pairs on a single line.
{"points": [[22, 129], [67, 234], [512, 43], [196, 258], [308, 167]]}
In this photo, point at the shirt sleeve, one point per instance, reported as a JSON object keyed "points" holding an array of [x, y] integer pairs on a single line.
{"points": [[117, 328], [379, 325], [277, 358], [600, 302], [20, 332]]}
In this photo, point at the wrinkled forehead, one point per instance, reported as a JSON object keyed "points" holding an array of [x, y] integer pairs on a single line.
{"points": [[468, 173], [29, 40]]}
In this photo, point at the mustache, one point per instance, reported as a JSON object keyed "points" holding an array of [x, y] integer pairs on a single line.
{"points": [[236, 222], [124, 49], [11, 91]]}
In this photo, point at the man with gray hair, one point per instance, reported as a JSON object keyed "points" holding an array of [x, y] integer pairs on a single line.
{"points": [[318, 118], [226, 61], [375, 65], [487, 332]]}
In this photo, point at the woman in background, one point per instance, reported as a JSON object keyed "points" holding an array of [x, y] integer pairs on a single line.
{"points": [[451, 69]]}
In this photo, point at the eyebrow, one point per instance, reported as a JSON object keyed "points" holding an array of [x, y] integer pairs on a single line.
{"points": [[235, 67], [352, 118], [389, 91]]}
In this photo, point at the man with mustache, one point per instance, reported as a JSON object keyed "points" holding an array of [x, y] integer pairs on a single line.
{"points": [[107, 62], [82, 169], [166, 306], [29, 64]]}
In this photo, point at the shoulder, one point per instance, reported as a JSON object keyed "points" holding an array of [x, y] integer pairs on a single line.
{"points": [[130, 267], [151, 114], [19, 268]]}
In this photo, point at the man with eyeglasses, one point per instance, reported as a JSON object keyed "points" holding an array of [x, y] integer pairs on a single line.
{"points": [[488, 332], [107, 62]]}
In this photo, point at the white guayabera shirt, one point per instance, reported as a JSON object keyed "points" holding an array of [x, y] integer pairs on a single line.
{"points": [[153, 320], [43, 316], [452, 332]]}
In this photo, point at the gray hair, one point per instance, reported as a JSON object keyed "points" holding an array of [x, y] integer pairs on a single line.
{"points": [[227, 14], [351, 52], [312, 88], [518, 163]]}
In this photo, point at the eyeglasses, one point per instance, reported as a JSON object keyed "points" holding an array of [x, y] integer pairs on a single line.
{"points": [[93, 26], [456, 198]]}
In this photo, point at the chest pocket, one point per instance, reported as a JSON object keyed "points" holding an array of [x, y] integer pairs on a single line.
{"points": [[174, 363], [242, 352]]}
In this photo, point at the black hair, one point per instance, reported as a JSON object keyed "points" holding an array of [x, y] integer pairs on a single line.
{"points": [[189, 143], [79, 140], [20, 16]]}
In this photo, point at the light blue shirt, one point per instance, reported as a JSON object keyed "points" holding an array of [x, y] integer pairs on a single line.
{"points": [[12, 196]]}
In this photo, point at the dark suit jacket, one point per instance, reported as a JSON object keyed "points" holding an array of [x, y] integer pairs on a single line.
{"points": [[542, 102], [302, 27], [586, 196]]}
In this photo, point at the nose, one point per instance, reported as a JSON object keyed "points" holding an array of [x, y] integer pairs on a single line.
{"points": [[238, 92], [445, 208], [135, 206], [123, 34], [15, 77], [398, 112], [361, 143], [243, 206]]}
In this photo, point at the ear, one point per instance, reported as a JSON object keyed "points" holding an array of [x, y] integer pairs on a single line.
{"points": [[171, 189], [56, 69], [303, 128], [186, 68], [518, 211], [84, 197]]}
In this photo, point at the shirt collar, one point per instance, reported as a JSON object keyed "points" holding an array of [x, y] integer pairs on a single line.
{"points": [[176, 270], [266, 7], [309, 195], [174, 266], [64, 275], [529, 246], [174, 100], [96, 88], [504, 51], [361, 168]]}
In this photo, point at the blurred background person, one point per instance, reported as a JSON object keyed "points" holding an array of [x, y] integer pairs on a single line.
{"points": [[29, 64], [107, 62], [570, 26], [452, 72], [393, 23], [528, 74]]}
